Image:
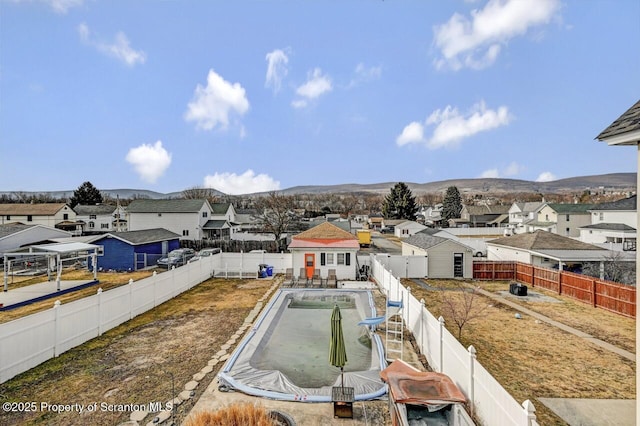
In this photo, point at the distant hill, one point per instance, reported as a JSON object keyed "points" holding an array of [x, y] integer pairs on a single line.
{"points": [[614, 181], [608, 182]]}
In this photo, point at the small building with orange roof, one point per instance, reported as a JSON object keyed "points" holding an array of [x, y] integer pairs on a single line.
{"points": [[322, 249]]}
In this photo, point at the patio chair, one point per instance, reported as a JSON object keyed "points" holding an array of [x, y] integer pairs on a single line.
{"points": [[332, 280], [316, 279], [289, 279], [302, 278]]}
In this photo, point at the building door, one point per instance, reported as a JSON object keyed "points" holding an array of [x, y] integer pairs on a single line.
{"points": [[458, 265], [309, 264]]}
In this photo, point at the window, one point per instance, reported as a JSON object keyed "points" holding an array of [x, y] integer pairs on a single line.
{"points": [[29, 218], [567, 231], [65, 216], [330, 259], [601, 216], [344, 259], [340, 258], [8, 217], [204, 214], [546, 217], [92, 216], [185, 232], [405, 231], [104, 226], [92, 225], [567, 218], [322, 259]]}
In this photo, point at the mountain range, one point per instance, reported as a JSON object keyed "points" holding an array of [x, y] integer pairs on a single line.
{"points": [[608, 182]]}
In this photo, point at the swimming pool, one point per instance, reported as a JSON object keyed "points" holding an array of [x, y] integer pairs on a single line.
{"points": [[286, 354]]}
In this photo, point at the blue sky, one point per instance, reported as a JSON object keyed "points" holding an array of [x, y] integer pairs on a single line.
{"points": [[249, 96]]}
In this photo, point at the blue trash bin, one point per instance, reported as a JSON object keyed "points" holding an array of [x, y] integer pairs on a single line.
{"points": [[269, 271]]}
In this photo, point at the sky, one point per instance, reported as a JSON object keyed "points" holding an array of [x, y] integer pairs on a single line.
{"points": [[252, 96]]}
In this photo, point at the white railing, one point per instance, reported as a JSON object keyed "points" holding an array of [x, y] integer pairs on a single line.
{"points": [[33, 339], [488, 400]]}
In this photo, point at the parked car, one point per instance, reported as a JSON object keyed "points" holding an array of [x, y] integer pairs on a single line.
{"points": [[387, 230], [177, 258], [205, 253]]}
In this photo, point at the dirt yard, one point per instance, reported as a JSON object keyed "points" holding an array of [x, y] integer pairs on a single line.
{"points": [[532, 359], [134, 363]]}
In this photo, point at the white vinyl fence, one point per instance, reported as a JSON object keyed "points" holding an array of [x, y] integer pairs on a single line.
{"points": [[31, 340], [232, 265], [489, 401]]}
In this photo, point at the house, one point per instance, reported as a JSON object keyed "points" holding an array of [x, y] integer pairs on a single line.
{"points": [[483, 216], [101, 218], [522, 213], [54, 215], [432, 214], [612, 223], [546, 249], [561, 218], [325, 247], [391, 223], [134, 250], [186, 218], [16, 235], [446, 257], [375, 222], [222, 224], [407, 228]]}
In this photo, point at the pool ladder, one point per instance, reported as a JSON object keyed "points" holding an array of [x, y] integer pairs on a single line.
{"points": [[394, 333]]}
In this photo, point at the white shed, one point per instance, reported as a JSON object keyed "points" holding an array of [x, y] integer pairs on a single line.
{"points": [[408, 228], [446, 258]]}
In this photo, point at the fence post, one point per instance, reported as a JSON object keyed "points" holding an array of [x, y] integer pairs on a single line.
{"points": [[472, 360], [155, 287], [405, 306], [422, 327], [559, 281], [593, 291], [441, 366], [99, 311], [530, 413], [130, 298], [56, 328]]}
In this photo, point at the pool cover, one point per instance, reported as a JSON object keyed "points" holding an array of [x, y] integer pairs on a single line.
{"points": [[286, 354]]}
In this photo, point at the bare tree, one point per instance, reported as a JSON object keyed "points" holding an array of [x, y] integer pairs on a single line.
{"points": [[275, 213], [197, 193], [462, 306], [612, 267]]}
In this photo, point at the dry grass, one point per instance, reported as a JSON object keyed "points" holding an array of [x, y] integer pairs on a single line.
{"points": [[133, 363], [532, 359], [241, 414], [107, 280]]}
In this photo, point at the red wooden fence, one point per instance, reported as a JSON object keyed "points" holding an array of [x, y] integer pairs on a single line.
{"points": [[614, 297]]}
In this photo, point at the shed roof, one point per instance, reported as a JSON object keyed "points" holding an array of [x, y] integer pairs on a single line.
{"points": [[220, 208], [144, 236], [325, 235], [216, 224], [541, 240], [165, 206], [42, 209], [12, 228]]}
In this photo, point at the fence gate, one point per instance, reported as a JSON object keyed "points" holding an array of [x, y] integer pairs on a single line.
{"points": [[139, 261]]}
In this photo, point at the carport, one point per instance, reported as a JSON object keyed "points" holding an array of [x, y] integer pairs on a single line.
{"points": [[74, 250]]}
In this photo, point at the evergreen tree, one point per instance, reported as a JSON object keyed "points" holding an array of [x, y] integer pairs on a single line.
{"points": [[452, 204], [400, 203], [86, 194]]}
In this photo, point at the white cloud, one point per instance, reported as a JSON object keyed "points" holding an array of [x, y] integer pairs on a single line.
{"points": [[246, 183], [317, 84], [59, 6], [452, 127], [363, 74], [119, 49], [276, 69], [149, 161], [491, 173], [475, 42], [546, 177], [211, 105], [513, 169], [412, 133]]}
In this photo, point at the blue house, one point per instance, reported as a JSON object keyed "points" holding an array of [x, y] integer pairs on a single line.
{"points": [[134, 250]]}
